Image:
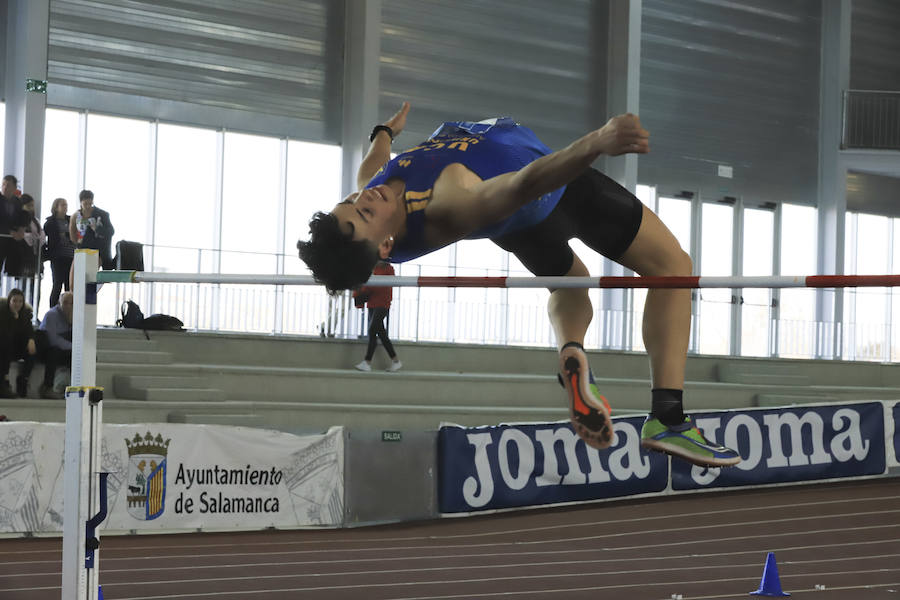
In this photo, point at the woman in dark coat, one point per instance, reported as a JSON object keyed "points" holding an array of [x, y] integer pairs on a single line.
{"points": [[16, 342], [60, 249]]}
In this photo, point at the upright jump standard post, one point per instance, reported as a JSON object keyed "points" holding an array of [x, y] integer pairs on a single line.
{"points": [[85, 496]]}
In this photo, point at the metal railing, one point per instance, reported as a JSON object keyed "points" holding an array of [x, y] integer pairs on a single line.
{"points": [[871, 120]]}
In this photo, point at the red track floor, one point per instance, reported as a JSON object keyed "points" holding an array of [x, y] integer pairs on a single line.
{"points": [[845, 537]]}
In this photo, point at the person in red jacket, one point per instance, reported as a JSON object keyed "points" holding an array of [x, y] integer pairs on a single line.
{"points": [[378, 300]]}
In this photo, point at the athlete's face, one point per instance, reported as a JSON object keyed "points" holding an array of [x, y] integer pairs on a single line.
{"points": [[370, 214]]}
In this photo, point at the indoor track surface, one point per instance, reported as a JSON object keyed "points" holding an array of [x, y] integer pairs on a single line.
{"points": [[843, 536]]}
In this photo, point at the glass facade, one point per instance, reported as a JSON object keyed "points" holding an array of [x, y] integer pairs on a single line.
{"points": [[204, 200]]}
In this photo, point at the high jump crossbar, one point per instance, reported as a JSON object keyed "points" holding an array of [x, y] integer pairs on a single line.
{"points": [[773, 281]]}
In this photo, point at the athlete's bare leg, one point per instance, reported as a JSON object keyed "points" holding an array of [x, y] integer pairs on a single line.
{"points": [[570, 309], [667, 312]]}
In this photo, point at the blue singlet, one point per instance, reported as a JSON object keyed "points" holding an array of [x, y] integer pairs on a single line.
{"points": [[487, 149]]}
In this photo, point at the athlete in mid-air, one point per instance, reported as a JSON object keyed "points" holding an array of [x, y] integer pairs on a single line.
{"points": [[495, 179]]}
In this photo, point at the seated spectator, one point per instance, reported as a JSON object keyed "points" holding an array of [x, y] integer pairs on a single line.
{"points": [[57, 350], [16, 342]]}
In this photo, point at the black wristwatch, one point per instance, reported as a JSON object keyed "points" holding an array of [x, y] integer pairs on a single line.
{"points": [[378, 128]]}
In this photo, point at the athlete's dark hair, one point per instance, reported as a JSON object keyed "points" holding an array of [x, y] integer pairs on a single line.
{"points": [[334, 258]]}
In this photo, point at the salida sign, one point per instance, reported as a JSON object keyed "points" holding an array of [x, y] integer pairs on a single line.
{"points": [[523, 465]]}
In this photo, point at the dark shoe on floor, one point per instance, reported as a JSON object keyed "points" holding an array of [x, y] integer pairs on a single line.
{"points": [[21, 387], [49, 393], [6, 391]]}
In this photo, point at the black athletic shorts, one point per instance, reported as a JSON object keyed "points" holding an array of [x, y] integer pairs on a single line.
{"points": [[594, 209]]}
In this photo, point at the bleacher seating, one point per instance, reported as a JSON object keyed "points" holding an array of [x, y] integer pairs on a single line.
{"points": [[306, 384]]}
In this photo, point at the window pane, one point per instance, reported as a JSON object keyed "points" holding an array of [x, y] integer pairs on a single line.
{"points": [[432, 306], [526, 311], [797, 326], [117, 170], [479, 313], [759, 233], [185, 192], [250, 197], [717, 242], [865, 332], [60, 176], [647, 195], [676, 214], [313, 184]]}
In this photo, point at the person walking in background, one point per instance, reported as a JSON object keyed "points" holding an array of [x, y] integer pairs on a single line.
{"points": [[56, 336], [16, 342], [378, 301], [60, 248], [90, 227]]}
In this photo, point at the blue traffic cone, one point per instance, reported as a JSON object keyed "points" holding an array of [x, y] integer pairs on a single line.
{"points": [[770, 585]]}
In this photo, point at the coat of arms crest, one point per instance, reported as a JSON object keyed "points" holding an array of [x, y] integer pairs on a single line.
{"points": [[147, 476]]}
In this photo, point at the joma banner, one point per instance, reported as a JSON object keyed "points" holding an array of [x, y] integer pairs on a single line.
{"points": [[524, 465], [791, 445]]}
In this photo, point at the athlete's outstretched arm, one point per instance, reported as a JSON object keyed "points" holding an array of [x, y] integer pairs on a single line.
{"points": [[380, 149], [492, 200]]}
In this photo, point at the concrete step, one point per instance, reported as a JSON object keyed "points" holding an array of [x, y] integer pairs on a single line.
{"points": [[288, 416], [791, 399], [133, 357], [416, 388], [116, 343], [313, 352], [236, 419], [176, 395], [126, 386], [762, 374]]}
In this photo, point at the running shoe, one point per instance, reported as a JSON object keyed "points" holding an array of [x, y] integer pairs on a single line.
{"points": [[363, 366], [589, 411], [686, 442], [396, 365]]}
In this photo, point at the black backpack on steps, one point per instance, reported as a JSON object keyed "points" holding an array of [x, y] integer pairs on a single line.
{"points": [[133, 318]]}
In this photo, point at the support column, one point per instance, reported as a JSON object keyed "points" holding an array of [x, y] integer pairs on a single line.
{"points": [[623, 95], [27, 31], [362, 52], [832, 196]]}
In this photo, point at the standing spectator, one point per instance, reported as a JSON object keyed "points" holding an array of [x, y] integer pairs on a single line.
{"points": [[378, 300], [90, 227], [10, 207], [16, 342], [60, 249], [57, 325], [24, 261]]}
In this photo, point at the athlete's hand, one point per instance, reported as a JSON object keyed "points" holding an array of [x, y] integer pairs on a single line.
{"points": [[398, 121], [623, 135]]}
